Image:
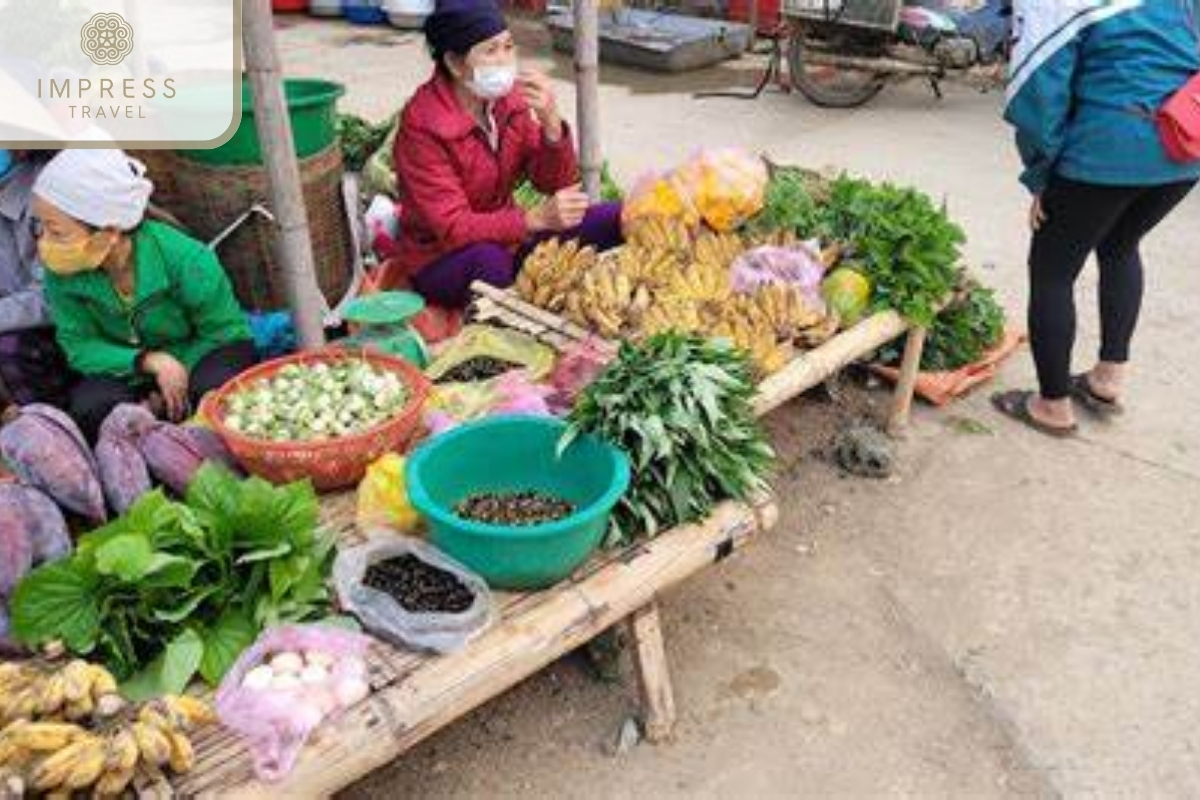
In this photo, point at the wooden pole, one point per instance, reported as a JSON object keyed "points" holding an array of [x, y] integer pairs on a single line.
{"points": [[293, 243], [587, 92], [653, 673], [910, 368]]}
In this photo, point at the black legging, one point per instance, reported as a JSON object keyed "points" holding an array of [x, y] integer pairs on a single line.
{"points": [[1081, 219], [94, 396]]}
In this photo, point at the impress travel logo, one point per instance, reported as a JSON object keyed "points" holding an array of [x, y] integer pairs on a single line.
{"points": [[107, 39], [120, 73]]}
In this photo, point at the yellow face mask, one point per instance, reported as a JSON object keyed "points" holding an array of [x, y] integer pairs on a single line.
{"points": [[74, 258]]}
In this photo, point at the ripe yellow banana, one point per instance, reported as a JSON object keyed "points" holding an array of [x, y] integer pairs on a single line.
{"points": [[78, 681], [153, 745], [114, 782], [69, 767], [183, 755], [123, 751], [43, 737]]}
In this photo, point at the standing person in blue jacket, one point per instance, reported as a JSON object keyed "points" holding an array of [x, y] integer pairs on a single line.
{"points": [[1087, 78]]}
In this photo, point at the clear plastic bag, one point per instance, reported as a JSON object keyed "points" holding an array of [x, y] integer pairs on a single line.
{"points": [[275, 724], [382, 614], [452, 404], [723, 187], [383, 497], [799, 266]]}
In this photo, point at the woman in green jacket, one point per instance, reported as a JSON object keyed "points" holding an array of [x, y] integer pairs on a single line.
{"points": [[143, 312]]}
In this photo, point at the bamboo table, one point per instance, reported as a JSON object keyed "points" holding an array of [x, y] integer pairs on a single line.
{"points": [[415, 695]]}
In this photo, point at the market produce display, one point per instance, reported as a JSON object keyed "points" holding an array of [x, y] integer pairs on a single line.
{"points": [[303, 402], [680, 406], [66, 729], [173, 589], [359, 139], [962, 334], [527, 195], [295, 672], [514, 508], [477, 368]]}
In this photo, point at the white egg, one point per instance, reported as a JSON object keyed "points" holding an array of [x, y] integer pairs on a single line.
{"points": [[351, 691], [314, 673], [286, 682], [258, 678], [287, 662], [319, 658]]}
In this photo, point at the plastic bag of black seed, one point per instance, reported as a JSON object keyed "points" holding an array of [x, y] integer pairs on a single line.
{"points": [[410, 594]]}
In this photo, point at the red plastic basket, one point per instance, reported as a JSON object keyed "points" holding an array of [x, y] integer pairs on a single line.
{"points": [[328, 463]]}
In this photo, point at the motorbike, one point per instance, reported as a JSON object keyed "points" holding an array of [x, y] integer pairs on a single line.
{"points": [[841, 53]]}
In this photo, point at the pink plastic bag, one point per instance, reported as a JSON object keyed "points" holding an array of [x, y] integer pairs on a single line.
{"points": [[581, 364], [276, 724]]}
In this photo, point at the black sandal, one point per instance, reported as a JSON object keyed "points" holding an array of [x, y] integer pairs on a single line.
{"points": [[1102, 407], [1015, 406]]}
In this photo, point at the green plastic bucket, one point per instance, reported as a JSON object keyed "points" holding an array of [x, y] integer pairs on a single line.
{"points": [[312, 106], [516, 454]]}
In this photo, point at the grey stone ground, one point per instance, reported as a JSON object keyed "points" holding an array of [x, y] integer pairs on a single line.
{"points": [[1012, 616]]}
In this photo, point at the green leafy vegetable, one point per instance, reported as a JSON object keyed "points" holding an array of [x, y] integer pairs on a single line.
{"points": [[962, 334], [175, 588], [360, 138], [681, 408], [905, 245], [610, 191]]}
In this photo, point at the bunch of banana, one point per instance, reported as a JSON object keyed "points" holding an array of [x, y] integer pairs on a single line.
{"points": [[820, 333], [782, 238], [742, 322], [63, 757], [552, 271], [602, 300], [786, 310], [76, 691], [655, 269], [663, 234], [671, 314], [719, 250]]}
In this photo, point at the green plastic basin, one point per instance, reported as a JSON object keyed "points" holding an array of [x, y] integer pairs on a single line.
{"points": [[312, 106], [513, 454]]}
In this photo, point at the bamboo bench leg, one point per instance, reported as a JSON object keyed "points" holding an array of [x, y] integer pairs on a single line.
{"points": [[654, 678], [909, 368]]}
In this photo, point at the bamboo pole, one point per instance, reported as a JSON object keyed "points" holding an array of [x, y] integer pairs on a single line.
{"points": [[587, 92], [814, 367], [441, 689], [910, 368], [293, 242]]}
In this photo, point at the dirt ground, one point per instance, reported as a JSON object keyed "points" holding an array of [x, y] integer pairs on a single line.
{"points": [[1009, 616]]}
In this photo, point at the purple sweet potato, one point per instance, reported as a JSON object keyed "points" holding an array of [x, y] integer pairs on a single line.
{"points": [[123, 471], [16, 549], [48, 532], [172, 456], [50, 455], [212, 447], [128, 421]]}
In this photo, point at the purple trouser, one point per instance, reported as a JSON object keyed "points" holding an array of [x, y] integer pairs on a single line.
{"points": [[447, 281]]}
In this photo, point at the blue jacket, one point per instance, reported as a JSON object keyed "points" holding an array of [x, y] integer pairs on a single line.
{"points": [[1085, 113]]}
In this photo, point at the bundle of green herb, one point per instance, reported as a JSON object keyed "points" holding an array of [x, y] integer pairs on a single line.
{"points": [[962, 333], [681, 408], [172, 589]]}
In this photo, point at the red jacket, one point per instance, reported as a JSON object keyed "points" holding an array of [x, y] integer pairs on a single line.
{"points": [[455, 190]]}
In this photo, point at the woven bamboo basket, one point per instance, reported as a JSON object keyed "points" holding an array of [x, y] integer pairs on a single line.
{"points": [[207, 199]]}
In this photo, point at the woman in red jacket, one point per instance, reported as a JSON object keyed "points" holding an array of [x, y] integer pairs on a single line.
{"points": [[467, 138]]}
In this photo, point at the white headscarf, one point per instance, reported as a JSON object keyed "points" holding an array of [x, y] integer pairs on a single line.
{"points": [[1043, 27], [103, 188]]}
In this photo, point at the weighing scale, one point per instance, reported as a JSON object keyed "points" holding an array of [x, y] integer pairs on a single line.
{"points": [[383, 322]]}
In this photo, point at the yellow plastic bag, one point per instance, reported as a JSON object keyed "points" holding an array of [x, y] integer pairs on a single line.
{"points": [[476, 341], [383, 497]]}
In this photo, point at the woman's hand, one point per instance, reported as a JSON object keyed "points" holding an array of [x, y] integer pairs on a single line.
{"points": [[172, 380], [1037, 214], [539, 94], [563, 211]]}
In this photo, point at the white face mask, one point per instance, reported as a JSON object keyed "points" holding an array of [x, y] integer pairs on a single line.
{"points": [[491, 82]]}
